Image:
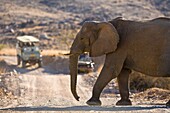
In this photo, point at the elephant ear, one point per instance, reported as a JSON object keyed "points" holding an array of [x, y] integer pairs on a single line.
{"points": [[106, 41]]}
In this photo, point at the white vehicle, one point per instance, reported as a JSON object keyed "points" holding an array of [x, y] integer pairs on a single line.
{"points": [[28, 51], [85, 64]]}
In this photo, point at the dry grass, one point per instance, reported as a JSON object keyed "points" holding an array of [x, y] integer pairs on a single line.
{"points": [[26, 30], [141, 82], [8, 52], [2, 46], [12, 52], [54, 52]]}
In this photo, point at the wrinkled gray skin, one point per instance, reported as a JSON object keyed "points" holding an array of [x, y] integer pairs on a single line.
{"points": [[128, 45]]}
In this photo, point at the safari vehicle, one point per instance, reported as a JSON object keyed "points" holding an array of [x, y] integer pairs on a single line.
{"points": [[85, 64], [28, 51]]}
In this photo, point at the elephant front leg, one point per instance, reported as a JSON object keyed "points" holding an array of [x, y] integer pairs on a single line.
{"points": [[104, 78], [123, 78]]}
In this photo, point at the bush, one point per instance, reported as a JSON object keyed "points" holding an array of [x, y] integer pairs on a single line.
{"points": [[2, 46], [141, 82]]}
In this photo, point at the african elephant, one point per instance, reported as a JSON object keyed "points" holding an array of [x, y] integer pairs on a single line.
{"points": [[128, 45]]}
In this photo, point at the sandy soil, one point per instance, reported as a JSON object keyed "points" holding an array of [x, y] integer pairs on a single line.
{"points": [[47, 91]]}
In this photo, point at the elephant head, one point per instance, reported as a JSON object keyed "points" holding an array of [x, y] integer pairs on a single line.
{"points": [[97, 38]]}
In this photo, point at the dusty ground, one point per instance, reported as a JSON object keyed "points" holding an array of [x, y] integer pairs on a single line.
{"points": [[44, 90]]}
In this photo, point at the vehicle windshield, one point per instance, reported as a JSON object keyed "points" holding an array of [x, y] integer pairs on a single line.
{"points": [[84, 57], [31, 49], [28, 44]]}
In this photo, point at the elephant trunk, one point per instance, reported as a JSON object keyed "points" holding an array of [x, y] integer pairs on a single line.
{"points": [[73, 72]]}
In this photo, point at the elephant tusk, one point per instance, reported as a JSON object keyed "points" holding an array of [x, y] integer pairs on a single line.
{"points": [[70, 54], [67, 54]]}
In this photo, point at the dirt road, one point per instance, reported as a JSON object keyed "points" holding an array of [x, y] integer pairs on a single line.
{"points": [[44, 90]]}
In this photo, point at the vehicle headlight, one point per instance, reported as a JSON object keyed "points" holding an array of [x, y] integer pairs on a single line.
{"points": [[92, 65], [36, 49], [25, 49]]}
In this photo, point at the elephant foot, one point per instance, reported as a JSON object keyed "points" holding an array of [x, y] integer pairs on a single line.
{"points": [[168, 104], [94, 102], [124, 102]]}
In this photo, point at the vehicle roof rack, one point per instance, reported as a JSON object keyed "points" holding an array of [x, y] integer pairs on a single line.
{"points": [[27, 38]]}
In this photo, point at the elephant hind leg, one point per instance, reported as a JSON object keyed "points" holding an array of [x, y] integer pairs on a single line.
{"points": [[123, 83]]}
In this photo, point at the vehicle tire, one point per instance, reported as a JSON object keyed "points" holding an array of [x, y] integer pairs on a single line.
{"points": [[40, 63], [23, 64], [18, 60], [79, 71]]}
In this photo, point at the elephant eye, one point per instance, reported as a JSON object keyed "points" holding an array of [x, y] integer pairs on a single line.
{"points": [[81, 38]]}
